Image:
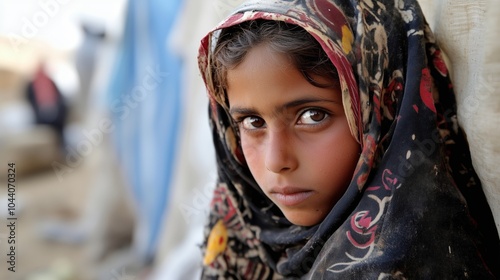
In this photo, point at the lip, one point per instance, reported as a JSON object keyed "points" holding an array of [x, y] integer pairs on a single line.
{"points": [[290, 196]]}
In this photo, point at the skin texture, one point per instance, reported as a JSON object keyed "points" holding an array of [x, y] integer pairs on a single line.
{"points": [[294, 135]]}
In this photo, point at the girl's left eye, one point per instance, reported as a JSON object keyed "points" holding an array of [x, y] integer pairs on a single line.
{"points": [[312, 116]]}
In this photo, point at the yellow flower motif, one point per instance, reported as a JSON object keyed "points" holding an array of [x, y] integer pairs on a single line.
{"points": [[217, 242], [347, 39]]}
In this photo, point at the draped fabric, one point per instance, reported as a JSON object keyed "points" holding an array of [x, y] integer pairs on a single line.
{"points": [[145, 102], [414, 207], [467, 32]]}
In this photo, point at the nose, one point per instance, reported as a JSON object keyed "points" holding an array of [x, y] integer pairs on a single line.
{"points": [[280, 153]]}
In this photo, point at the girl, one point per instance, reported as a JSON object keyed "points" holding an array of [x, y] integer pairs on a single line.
{"points": [[338, 150]]}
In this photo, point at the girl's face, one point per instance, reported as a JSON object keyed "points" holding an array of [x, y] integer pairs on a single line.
{"points": [[294, 135]]}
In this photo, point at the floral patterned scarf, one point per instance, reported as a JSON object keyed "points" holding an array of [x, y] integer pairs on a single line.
{"points": [[414, 207]]}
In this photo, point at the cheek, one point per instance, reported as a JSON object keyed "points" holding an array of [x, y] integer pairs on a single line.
{"points": [[252, 154], [334, 155], [346, 158]]}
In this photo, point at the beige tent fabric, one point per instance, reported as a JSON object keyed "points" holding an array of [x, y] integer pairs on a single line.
{"points": [[467, 31]]}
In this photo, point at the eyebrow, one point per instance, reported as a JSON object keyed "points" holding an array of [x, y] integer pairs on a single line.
{"points": [[284, 107]]}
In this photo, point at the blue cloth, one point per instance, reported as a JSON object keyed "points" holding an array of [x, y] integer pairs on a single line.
{"points": [[146, 107]]}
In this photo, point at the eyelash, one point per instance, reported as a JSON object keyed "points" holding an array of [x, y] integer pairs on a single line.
{"points": [[240, 120]]}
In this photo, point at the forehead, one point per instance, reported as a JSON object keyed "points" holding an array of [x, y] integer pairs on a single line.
{"points": [[261, 73], [258, 63], [268, 82]]}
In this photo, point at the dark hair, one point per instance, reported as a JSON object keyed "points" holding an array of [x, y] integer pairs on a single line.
{"points": [[306, 53]]}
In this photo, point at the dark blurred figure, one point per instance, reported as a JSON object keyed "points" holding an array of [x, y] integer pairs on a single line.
{"points": [[48, 104]]}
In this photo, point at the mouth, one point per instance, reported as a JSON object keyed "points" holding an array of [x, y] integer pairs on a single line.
{"points": [[290, 196]]}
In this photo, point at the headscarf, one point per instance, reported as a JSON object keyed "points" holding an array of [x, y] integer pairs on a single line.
{"points": [[414, 207]]}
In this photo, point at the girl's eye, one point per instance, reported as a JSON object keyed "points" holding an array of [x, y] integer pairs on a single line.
{"points": [[312, 116], [253, 122]]}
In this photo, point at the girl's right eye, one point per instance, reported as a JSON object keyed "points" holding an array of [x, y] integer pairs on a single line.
{"points": [[252, 122]]}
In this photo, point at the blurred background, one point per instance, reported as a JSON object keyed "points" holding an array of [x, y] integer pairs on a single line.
{"points": [[104, 115]]}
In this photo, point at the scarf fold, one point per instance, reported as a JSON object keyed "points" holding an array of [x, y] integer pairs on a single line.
{"points": [[414, 207]]}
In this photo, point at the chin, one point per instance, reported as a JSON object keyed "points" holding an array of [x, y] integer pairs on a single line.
{"points": [[303, 219]]}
